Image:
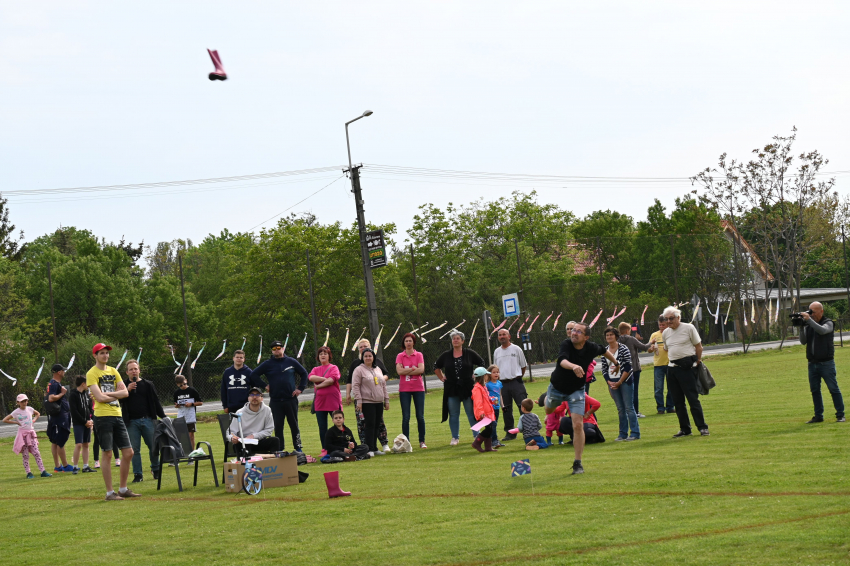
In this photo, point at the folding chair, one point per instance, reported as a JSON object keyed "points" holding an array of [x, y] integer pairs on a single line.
{"points": [[229, 452], [182, 431]]}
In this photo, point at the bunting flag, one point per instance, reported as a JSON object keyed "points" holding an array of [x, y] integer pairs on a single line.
{"points": [[530, 326], [260, 355], [585, 316], [594, 319], [121, 361], [345, 344], [512, 324], [471, 336], [301, 349], [39, 371], [617, 315], [198, 356], [725, 320], [554, 326], [518, 330], [696, 310], [776, 316], [714, 314], [244, 340], [139, 357], [497, 328], [328, 336], [744, 311], [180, 367], [493, 324], [359, 338], [753, 312], [445, 322], [452, 330], [14, 381], [223, 348], [71, 363], [643, 313], [610, 318], [416, 330], [390, 341], [377, 343], [285, 342], [769, 310], [543, 324], [170, 347]]}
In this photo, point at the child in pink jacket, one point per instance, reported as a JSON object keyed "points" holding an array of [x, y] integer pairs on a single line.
{"points": [[553, 422], [26, 442]]}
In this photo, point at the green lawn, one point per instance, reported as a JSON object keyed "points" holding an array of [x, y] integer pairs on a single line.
{"points": [[764, 488]]}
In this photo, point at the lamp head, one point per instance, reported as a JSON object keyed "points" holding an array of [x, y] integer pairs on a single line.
{"points": [[367, 113]]}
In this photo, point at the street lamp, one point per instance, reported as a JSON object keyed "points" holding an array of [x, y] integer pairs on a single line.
{"points": [[354, 173]]}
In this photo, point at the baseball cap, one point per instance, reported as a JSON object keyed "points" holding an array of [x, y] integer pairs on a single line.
{"points": [[98, 347], [57, 367], [22, 397], [257, 389], [481, 371], [276, 343]]}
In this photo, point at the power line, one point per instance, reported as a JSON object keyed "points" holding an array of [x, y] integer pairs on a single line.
{"points": [[297, 203]]}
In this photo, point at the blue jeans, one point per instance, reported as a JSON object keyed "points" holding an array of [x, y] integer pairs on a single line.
{"points": [[139, 429], [623, 397], [636, 376], [495, 436], [660, 378], [825, 371], [454, 415], [541, 442], [418, 398]]}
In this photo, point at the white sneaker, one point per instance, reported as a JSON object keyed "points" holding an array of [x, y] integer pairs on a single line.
{"points": [[454, 442], [377, 453], [387, 448], [422, 445]]}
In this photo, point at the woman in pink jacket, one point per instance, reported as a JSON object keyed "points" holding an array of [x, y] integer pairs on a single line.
{"points": [[327, 398]]}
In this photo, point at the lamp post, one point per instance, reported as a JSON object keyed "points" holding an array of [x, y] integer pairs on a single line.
{"points": [[354, 173]]}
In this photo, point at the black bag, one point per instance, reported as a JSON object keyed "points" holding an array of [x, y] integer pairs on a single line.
{"points": [[52, 408]]}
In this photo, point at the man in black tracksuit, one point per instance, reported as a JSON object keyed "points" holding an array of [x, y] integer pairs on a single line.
{"points": [[286, 380]]}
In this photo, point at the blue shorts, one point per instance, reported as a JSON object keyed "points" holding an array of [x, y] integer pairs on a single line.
{"points": [[82, 434], [575, 400]]}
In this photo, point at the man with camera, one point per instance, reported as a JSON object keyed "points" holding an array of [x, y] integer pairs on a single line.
{"points": [[817, 333]]}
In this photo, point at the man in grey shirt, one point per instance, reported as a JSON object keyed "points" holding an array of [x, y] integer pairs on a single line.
{"points": [[818, 335], [684, 348], [511, 361]]}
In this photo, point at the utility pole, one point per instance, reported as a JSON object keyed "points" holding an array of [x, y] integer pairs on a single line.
{"points": [[371, 303], [675, 274], [312, 303], [518, 269], [185, 316], [599, 267], [415, 286], [53, 315]]}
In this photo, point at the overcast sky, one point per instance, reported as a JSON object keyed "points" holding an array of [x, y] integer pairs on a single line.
{"points": [[109, 93]]}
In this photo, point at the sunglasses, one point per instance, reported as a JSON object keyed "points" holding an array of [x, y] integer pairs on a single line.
{"points": [[671, 318], [276, 348], [255, 395]]}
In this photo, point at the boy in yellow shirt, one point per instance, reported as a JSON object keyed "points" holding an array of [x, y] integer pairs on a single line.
{"points": [[660, 362]]}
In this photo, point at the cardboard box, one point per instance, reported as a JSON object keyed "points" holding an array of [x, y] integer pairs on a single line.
{"points": [[277, 472]]}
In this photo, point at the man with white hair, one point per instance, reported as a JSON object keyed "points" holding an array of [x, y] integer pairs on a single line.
{"points": [[684, 350]]}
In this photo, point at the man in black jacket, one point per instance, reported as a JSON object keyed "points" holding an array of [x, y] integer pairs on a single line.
{"points": [[140, 410], [818, 335]]}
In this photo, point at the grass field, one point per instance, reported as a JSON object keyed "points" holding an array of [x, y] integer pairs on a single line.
{"points": [[764, 488]]}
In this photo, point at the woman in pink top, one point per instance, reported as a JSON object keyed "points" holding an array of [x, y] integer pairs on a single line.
{"points": [[327, 398], [26, 442], [410, 366]]}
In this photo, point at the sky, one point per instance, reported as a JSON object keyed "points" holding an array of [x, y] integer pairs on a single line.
{"points": [[106, 93]]}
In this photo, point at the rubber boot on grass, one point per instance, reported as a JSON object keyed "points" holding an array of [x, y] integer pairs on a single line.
{"points": [[477, 443], [488, 445], [332, 481]]}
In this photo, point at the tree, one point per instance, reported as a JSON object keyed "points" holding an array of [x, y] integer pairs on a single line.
{"points": [[9, 247]]}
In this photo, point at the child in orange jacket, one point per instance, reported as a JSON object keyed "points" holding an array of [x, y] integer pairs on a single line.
{"points": [[481, 408]]}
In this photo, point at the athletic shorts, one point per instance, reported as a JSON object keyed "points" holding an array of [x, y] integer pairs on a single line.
{"points": [[575, 400], [82, 434], [191, 427], [111, 431], [57, 434]]}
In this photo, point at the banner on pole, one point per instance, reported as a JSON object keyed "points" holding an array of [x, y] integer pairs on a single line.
{"points": [[376, 248]]}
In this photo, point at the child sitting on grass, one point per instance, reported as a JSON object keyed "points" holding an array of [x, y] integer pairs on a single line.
{"points": [[339, 442], [494, 388], [553, 420], [529, 426], [26, 442], [592, 434], [481, 408]]}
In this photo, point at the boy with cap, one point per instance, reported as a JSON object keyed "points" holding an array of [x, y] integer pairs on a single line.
{"points": [[59, 425], [257, 423], [106, 387], [286, 380], [186, 398]]}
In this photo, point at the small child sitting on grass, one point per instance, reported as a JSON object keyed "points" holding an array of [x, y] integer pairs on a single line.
{"points": [[529, 426], [339, 442]]}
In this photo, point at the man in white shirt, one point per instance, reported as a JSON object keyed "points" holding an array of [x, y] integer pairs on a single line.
{"points": [[512, 365], [684, 350]]}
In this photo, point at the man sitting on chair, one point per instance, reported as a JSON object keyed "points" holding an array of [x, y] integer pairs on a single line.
{"points": [[257, 423]]}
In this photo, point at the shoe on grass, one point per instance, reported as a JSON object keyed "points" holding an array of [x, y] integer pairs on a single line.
{"points": [[629, 439], [87, 470], [454, 442], [46, 474], [138, 478], [30, 475], [75, 470], [58, 470], [128, 493], [661, 412], [422, 445], [814, 420], [509, 436], [704, 432], [619, 439], [640, 415], [681, 433], [96, 464], [68, 468], [577, 468], [117, 462], [114, 497], [841, 420]]}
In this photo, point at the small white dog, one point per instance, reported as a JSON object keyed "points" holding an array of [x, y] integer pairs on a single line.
{"points": [[401, 445]]}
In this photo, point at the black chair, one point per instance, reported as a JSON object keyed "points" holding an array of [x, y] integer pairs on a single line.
{"points": [[182, 431], [229, 452]]}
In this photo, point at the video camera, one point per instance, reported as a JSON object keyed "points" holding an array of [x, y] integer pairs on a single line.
{"points": [[797, 318]]}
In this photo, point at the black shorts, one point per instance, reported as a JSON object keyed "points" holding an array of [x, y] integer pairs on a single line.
{"points": [[57, 434], [111, 431], [191, 427], [82, 434]]}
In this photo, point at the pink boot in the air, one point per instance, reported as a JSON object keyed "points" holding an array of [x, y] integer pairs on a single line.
{"points": [[218, 74]]}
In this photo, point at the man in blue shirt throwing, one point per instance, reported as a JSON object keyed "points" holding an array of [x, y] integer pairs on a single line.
{"points": [[286, 379]]}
